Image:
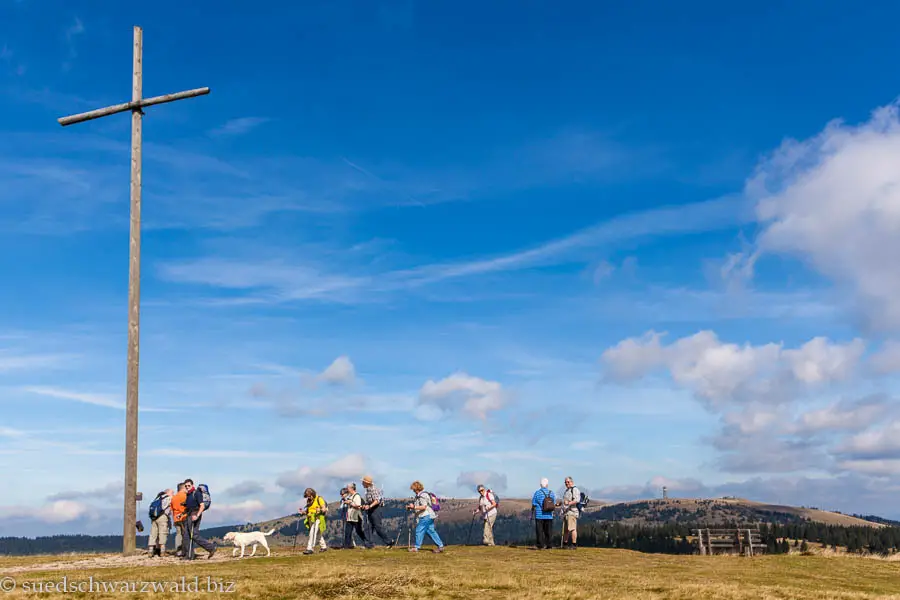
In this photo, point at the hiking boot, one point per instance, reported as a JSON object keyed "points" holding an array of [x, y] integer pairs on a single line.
{"points": [[413, 549], [213, 551], [307, 552], [390, 545], [438, 550], [324, 550]]}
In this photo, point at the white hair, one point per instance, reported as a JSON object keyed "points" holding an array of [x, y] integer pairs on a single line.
{"points": [[545, 482]]}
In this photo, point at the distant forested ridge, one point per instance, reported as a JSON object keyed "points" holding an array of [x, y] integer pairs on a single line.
{"points": [[642, 526]]}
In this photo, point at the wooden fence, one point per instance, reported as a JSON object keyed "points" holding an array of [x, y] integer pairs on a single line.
{"points": [[743, 541]]}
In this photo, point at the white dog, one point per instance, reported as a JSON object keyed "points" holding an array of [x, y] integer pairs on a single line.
{"points": [[244, 539]]}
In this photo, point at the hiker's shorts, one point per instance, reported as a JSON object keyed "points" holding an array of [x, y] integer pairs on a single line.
{"points": [[571, 522]]}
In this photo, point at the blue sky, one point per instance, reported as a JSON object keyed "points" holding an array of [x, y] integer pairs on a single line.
{"points": [[455, 243]]}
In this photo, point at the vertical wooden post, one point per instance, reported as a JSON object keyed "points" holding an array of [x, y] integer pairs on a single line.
{"points": [[134, 305], [138, 102]]}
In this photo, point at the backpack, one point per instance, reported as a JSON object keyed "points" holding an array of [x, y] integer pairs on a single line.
{"points": [[435, 501], [547, 505], [207, 499], [583, 501], [495, 497], [156, 509]]}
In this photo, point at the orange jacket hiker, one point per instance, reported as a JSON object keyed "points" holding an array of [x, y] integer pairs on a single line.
{"points": [[178, 512]]}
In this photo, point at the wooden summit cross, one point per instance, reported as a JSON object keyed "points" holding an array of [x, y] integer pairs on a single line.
{"points": [[134, 272]]}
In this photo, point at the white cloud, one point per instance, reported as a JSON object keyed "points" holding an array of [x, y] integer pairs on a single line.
{"points": [[819, 361], [60, 511], [110, 492], [346, 469], [490, 479], [834, 202], [844, 416], [248, 511], [339, 372], [472, 396], [244, 489], [878, 444], [722, 373]]}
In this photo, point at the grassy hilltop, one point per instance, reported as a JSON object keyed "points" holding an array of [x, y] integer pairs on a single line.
{"points": [[483, 573]]}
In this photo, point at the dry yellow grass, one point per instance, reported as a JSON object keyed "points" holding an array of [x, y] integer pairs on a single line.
{"points": [[483, 573]]}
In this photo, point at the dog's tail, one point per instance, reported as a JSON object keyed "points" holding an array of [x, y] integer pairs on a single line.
{"points": [[269, 533]]}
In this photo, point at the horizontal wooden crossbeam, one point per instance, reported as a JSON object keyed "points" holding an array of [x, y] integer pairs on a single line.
{"points": [[127, 106]]}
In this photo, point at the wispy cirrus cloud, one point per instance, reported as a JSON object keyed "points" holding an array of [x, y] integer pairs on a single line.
{"points": [[71, 34], [104, 400], [10, 362], [196, 186], [239, 126], [273, 280]]}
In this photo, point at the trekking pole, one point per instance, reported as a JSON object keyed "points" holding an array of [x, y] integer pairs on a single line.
{"points": [[472, 524], [296, 533]]}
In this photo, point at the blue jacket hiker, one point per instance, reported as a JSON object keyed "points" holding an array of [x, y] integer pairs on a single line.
{"points": [[543, 503]]}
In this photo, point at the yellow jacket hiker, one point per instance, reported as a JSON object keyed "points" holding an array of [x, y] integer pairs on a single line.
{"points": [[315, 511]]}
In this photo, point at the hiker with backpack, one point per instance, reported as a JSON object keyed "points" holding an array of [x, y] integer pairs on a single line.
{"points": [[487, 506], [425, 506], [160, 515], [571, 510], [354, 503], [314, 512], [197, 502], [543, 503], [373, 507]]}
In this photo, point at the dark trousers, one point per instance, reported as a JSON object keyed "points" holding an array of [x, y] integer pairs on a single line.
{"points": [[375, 526], [349, 528], [543, 532], [192, 537]]}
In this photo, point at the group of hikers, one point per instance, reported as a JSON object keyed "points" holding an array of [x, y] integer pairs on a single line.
{"points": [[425, 506], [185, 509]]}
